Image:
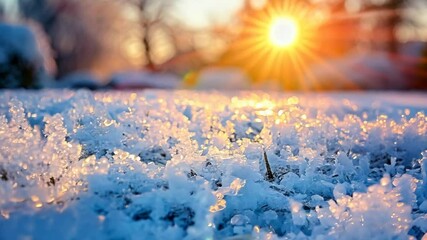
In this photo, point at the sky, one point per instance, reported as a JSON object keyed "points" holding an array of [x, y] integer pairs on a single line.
{"points": [[202, 13], [10, 7]]}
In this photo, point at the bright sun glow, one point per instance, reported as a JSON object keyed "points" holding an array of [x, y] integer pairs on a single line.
{"points": [[283, 32], [277, 45]]}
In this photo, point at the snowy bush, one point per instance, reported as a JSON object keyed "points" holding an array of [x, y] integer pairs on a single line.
{"points": [[199, 165], [25, 56]]}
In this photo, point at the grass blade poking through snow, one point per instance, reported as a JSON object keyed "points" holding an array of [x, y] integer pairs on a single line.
{"points": [[269, 174]]}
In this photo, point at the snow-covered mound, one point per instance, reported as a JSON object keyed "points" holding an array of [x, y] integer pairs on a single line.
{"points": [[208, 165], [220, 79], [79, 80], [21, 40], [370, 70], [25, 56], [143, 80], [367, 71]]}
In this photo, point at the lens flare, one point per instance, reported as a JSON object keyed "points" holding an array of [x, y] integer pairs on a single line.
{"points": [[280, 42], [283, 32]]}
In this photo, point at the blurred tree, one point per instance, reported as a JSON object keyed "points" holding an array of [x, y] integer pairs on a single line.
{"points": [[1, 12], [151, 18], [420, 73], [372, 24], [84, 34], [337, 32], [379, 21], [387, 16], [73, 42], [168, 44]]}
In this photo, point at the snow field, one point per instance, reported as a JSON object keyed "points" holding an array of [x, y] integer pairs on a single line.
{"points": [[210, 165]]}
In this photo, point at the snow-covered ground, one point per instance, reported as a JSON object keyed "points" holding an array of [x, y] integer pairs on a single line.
{"points": [[210, 165]]}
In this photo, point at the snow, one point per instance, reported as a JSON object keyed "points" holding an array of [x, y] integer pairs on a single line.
{"points": [[222, 78], [27, 41], [369, 70], [77, 80], [197, 165], [360, 69], [19, 39], [144, 79]]}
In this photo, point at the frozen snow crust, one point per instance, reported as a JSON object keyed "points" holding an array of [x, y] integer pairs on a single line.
{"points": [[182, 164]]}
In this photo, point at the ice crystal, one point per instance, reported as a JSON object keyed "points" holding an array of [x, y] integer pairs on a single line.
{"points": [[194, 164]]}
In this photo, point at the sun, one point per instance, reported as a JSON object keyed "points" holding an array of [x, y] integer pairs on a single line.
{"points": [[277, 44], [283, 32]]}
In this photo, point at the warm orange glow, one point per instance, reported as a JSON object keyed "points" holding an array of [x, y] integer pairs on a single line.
{"points": [[275, 45], [283, 32], [281, 42]]}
